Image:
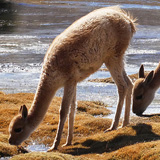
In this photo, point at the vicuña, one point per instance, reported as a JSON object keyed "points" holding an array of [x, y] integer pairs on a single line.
{"points": [[144, 89], [101, 36]]}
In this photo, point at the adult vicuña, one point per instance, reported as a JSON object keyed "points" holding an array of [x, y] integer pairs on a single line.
{"points": [[100, 37], [144, 89]]}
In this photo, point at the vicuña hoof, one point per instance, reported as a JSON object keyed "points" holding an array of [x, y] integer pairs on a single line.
{"points": [[110, 129], [52, 149], [66, 144]]}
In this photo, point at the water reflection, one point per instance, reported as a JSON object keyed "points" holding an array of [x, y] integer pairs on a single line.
{"points": [[27, 28], [7, 17]]}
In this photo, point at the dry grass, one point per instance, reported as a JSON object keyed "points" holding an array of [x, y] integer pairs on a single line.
{"points": [[133, 77], [139, 140], [85, 121], [46, 156]]}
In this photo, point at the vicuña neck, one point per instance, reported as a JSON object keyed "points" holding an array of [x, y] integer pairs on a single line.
{"points": [[155, 84], [41, 102]]}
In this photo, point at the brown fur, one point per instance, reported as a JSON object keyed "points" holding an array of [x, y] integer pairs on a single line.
{"points": [[144, 89], [100, 37]]}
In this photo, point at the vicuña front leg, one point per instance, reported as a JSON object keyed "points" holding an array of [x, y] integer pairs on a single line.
{"points": [[121, 92], [71, 120], [67, 98], [127, 100]]}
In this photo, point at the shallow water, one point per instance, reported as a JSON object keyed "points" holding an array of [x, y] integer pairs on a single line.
{"points": [[5, 158], [37, 147], [27, 30]]}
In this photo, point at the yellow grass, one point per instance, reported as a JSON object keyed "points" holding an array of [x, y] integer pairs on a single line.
{"points": [[133, 77], [139, 140], [46, 156]]}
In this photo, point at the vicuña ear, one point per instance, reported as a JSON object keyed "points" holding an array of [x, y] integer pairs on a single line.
{"points": [[141, 72], [149, 78], [23, 111]]}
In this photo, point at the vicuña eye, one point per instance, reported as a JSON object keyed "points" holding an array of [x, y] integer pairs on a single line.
{"points": [[139, 97], [17, 130]]}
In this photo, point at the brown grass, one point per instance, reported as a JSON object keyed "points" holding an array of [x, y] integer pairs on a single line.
{"points": [[46, 156], [85, 121], [139, 140], [133, 77]]}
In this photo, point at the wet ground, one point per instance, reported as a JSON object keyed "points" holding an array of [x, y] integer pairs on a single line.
{"points": [[27, 29]]}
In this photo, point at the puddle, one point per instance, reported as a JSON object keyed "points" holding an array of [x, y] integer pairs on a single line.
{"points": [[5, 158], [34, 147]]}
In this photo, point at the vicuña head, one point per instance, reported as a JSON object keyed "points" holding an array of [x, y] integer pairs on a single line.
{"points": [[144, 89], [19, 128]]}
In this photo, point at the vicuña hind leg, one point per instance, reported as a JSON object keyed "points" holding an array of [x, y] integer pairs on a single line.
{"points": [[71, 120], [66, 101], [116, 69], [127, 100]]}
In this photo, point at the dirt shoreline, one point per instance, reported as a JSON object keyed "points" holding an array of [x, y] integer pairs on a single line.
{"points": [[133, 77]]}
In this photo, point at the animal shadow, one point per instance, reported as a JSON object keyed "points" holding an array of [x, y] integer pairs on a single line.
{"points": [[149, 115], [143, 134]]}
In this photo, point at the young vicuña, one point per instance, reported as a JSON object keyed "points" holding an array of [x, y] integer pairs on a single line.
{"points": [[144, 89], [101, 36]]}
